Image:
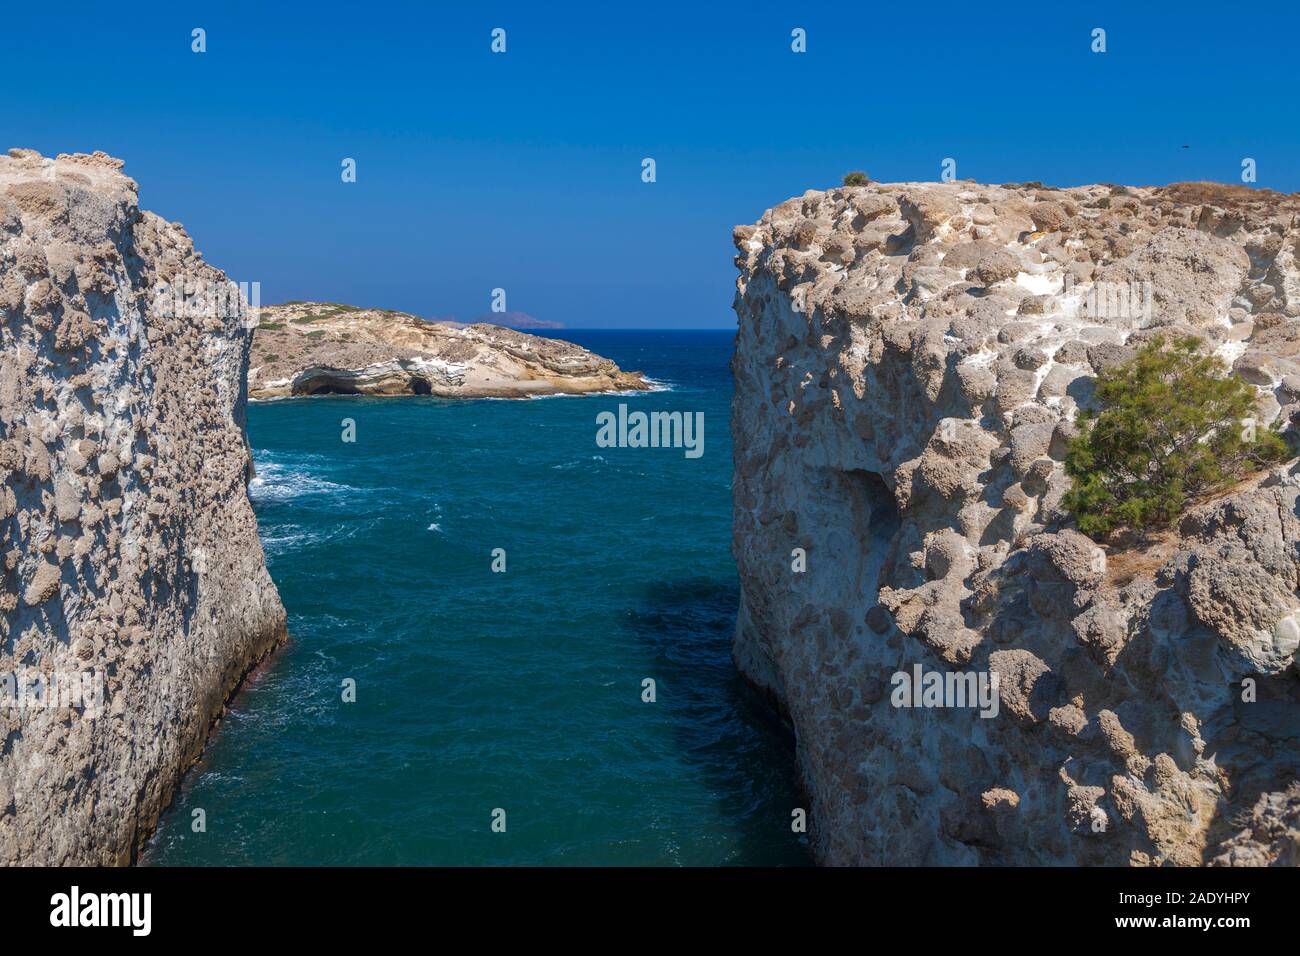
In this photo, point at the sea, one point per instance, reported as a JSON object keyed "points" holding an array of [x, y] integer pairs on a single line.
{"points": [[509, 644]]}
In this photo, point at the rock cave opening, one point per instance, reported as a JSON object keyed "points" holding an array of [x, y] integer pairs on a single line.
{"points": [[875, 520], [326, 387]]}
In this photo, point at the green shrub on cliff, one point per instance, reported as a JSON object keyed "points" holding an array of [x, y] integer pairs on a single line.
{"points": [[1172, 425], [856, 178]]}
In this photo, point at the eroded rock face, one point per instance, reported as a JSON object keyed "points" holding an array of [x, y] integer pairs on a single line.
{"points": [[910, 360], [131, 562], [319, 348]]}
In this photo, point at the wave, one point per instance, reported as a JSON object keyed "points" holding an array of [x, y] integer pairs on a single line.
{"points": [[656, 385], [279, 482], [565, 466], [274, 543], [282, 539]]}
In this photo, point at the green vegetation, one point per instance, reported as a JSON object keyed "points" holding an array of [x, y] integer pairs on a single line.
{"points": [[270, 326], [271, 357], [328, 312], [856, 178], [1173, 425]]}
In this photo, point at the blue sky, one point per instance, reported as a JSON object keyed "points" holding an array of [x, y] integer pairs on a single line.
{"points": [[523, 170]]}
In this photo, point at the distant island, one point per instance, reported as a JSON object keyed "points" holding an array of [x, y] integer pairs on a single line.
{"points": [[326, 348], [511, 320]]}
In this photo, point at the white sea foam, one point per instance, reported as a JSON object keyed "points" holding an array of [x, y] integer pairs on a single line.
{"points": [[287, 538], [283, 540], [577, 462], [656, 385], [277, 482]]}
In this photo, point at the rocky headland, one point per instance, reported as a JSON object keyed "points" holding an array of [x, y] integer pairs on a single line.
{"points": [[322, 348], [134, 596], [910, 362]]}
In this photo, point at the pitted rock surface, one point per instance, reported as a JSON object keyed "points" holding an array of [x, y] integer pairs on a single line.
{"points": [[130, 547], [909, 365]]}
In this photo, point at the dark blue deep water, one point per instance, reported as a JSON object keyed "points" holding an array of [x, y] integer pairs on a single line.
{"points": [[479, 690]]}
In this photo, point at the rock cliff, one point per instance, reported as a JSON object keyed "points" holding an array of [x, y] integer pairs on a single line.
{"points": [[314, 348], [133, 592], [909, 363]]}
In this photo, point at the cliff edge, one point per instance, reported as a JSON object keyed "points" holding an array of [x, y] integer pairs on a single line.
{"points": [[910, 360], [134, 596]]}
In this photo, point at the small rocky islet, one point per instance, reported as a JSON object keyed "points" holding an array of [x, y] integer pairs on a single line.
{"points": [[325, 348]]}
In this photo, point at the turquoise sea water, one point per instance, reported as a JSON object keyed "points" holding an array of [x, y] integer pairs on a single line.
{"points": [[478, 690]]}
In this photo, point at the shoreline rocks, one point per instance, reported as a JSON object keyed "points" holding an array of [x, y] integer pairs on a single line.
{"points": [[910, 361], [321, 348], [134, 595]]}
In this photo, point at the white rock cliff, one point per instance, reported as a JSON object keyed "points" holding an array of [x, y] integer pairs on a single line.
{"points": [[909, 362], [131, 567]]}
